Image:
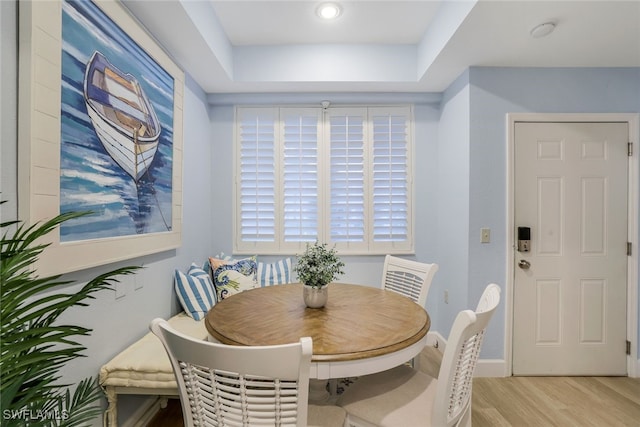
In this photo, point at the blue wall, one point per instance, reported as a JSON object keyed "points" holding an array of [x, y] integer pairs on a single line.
{"points": [[460, 172], [119, 321], [365, 270], [494, 92], [453, 206], [460, 187]]}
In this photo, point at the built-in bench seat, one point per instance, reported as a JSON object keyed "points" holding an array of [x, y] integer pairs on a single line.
{"points": [[143, 368]]}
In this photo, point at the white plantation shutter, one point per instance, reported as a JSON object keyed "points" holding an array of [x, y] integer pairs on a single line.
{"points": [[349, 185], [300, 172], [256, 200], [391, 176], [347, 176]]}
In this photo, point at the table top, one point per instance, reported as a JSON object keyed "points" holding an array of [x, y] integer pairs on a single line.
{"points": [[358, 322]]}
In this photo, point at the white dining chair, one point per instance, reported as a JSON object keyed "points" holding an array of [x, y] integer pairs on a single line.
{"points": [[409, 278], [430, 359], [404, 396], [225, 385]]}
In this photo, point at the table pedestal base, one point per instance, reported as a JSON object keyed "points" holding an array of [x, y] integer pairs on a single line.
{"points": [[318, 391]]}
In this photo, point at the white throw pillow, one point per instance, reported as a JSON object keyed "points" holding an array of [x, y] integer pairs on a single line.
{"points": [[233, 276]]}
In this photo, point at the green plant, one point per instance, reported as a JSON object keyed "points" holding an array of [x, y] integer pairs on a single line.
{"points": [[33, 346], [318, 265]]}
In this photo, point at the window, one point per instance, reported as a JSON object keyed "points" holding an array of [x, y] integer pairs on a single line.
{"points": [[339, 175]]}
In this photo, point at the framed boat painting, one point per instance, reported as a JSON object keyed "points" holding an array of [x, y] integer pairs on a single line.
{"points": [[100, 130]]}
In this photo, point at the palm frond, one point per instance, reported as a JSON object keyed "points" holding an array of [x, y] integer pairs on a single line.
{"points": [[77, 406], [33, 347]]}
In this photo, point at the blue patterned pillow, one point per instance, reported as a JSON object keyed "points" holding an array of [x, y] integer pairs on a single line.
{"points": [[195, 291], [233, 276], [276, 273]]}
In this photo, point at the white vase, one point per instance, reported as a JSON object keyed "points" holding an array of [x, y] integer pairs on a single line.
{"points": [[315, 297]]}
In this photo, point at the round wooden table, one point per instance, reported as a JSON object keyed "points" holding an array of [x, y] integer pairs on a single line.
{"points": [[361, 329]]}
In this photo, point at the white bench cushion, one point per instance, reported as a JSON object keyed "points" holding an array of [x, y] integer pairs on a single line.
{"points": [[145, 363]]}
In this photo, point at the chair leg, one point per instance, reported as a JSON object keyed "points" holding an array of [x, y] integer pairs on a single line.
{"points": [[465, 420], [164, 401], [318, 393]]}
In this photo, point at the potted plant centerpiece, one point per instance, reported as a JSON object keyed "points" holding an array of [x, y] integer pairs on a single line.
{"points": [[316, 268]]}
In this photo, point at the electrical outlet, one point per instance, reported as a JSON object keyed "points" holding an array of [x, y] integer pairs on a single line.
{"points": [[446, 297], [138, 279], [121, 290], [485, 235]]}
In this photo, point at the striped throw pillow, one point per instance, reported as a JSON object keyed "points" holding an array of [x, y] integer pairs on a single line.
{"points": [[195, 291], [276, 273]]}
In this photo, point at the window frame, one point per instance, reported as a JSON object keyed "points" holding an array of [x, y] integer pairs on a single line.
{"points": [[281, 247]]}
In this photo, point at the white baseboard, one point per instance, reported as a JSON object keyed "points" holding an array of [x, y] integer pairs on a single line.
{"points": [[490, 368], [495, 368], [484, 368]]}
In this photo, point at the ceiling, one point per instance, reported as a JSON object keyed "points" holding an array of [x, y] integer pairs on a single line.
{"points": [[381, 46]]}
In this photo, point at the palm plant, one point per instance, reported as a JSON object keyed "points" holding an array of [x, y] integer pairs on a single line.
{"points": [[33, 347]]}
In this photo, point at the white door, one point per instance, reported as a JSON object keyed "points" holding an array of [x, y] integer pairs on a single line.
{"points": [[570, 288]]}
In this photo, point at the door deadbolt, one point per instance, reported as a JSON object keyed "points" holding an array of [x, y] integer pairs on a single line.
{"points": [[524, 239]]}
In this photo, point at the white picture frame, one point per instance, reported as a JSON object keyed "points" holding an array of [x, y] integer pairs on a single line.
{"points": [[39, 140]]}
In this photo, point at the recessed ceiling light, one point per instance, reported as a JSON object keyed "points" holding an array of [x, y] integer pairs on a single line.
{"points": [[543, 30], [329, 11]]}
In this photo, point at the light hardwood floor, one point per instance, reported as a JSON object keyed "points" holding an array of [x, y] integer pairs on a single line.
{"points": [[556, 401], [531, 402]]}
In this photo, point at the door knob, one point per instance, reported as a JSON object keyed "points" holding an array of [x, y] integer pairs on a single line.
{"points": [[524, 264]]}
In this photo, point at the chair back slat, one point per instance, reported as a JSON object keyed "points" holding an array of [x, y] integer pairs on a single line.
{"points": [[223, 385], [453, 394], [409, 278]]}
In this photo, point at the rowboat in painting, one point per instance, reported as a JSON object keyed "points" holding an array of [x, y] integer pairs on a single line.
{"points": [[122, 115]]}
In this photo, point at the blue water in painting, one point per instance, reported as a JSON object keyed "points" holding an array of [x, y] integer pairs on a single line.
{"points": [[89, 178]]}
